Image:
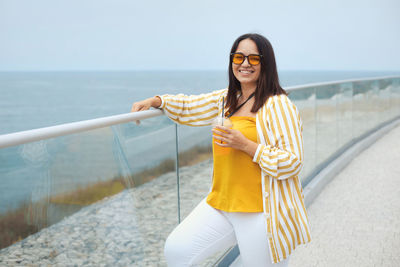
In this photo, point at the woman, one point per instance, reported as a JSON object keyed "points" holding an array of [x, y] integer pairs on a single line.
{"points": [[256, 198]]}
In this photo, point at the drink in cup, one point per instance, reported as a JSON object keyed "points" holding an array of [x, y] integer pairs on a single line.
{"points": [[219, 150], [222, 122]]}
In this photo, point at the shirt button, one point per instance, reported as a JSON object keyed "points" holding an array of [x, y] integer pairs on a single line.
{"points": [[269, 235], [266, 194], [267, 216]]}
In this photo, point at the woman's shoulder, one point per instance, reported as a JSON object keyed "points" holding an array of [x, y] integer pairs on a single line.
{"points": [[279, 102], [282, 106], [276, 99]]}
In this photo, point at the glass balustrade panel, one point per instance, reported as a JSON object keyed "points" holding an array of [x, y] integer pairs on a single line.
{"points": [[305, 101], [376, 107], [383, 101], [101, 197], [344, 111], [360, 105], [395, 97], [327, 121]]}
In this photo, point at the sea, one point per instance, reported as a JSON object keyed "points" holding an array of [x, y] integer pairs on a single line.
{"points": [[31, 100]]}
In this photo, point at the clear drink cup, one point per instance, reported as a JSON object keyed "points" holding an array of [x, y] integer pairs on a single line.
{"points": [[219, 150]]}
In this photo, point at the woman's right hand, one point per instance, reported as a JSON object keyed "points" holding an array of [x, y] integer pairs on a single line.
{"points": [[146, 104]]}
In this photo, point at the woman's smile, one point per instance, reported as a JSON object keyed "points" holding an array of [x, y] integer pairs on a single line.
{"points": [[246, 72]]}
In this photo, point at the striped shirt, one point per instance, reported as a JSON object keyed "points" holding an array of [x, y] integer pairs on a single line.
{"points": [[279, 154]]}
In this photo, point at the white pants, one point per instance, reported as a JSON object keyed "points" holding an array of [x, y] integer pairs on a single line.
{"points": [[207, 230]]}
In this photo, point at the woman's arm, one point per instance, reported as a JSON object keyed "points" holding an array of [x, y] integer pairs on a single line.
{"points": [[281, 126], [192, 110]]}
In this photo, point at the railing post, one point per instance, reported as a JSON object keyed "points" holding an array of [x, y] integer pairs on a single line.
{"points": [[177, 171]]}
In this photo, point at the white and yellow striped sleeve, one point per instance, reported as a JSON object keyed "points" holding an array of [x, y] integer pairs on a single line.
{"points": [[281, 127], [192, 110]]}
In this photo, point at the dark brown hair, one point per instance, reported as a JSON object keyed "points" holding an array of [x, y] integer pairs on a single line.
{"points": [[268, 81]]}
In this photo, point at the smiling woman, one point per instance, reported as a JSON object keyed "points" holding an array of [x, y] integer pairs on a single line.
{"points": [[256, 199]]}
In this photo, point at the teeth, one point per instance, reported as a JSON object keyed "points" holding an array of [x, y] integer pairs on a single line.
{"points": [[246, 71]]}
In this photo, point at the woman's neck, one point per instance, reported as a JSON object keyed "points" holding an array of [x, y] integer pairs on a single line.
{"points": [[247, 90]]}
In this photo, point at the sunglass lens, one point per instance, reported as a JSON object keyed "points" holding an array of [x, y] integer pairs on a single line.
{"points": [[237, 58], [254, 60]]}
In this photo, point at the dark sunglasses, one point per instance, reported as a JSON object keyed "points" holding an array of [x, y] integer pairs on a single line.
{"points": [[253, 59]]}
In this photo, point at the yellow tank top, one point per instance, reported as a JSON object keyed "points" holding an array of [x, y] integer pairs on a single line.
{"points": [[236, 179]]}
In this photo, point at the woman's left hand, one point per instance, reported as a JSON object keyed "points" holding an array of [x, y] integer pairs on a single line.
{"points": [[229, 137]]}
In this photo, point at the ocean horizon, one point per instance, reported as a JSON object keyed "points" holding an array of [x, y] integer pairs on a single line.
{"points": [[31, 100]]}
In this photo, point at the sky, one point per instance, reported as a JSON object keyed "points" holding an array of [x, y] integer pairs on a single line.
{"points": [[61, 35]]}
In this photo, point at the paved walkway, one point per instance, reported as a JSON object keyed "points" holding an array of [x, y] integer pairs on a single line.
{"points": [[355, 221]]}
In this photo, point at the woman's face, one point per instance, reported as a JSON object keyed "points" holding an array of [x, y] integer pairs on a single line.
{"points": [[245, 73]]}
